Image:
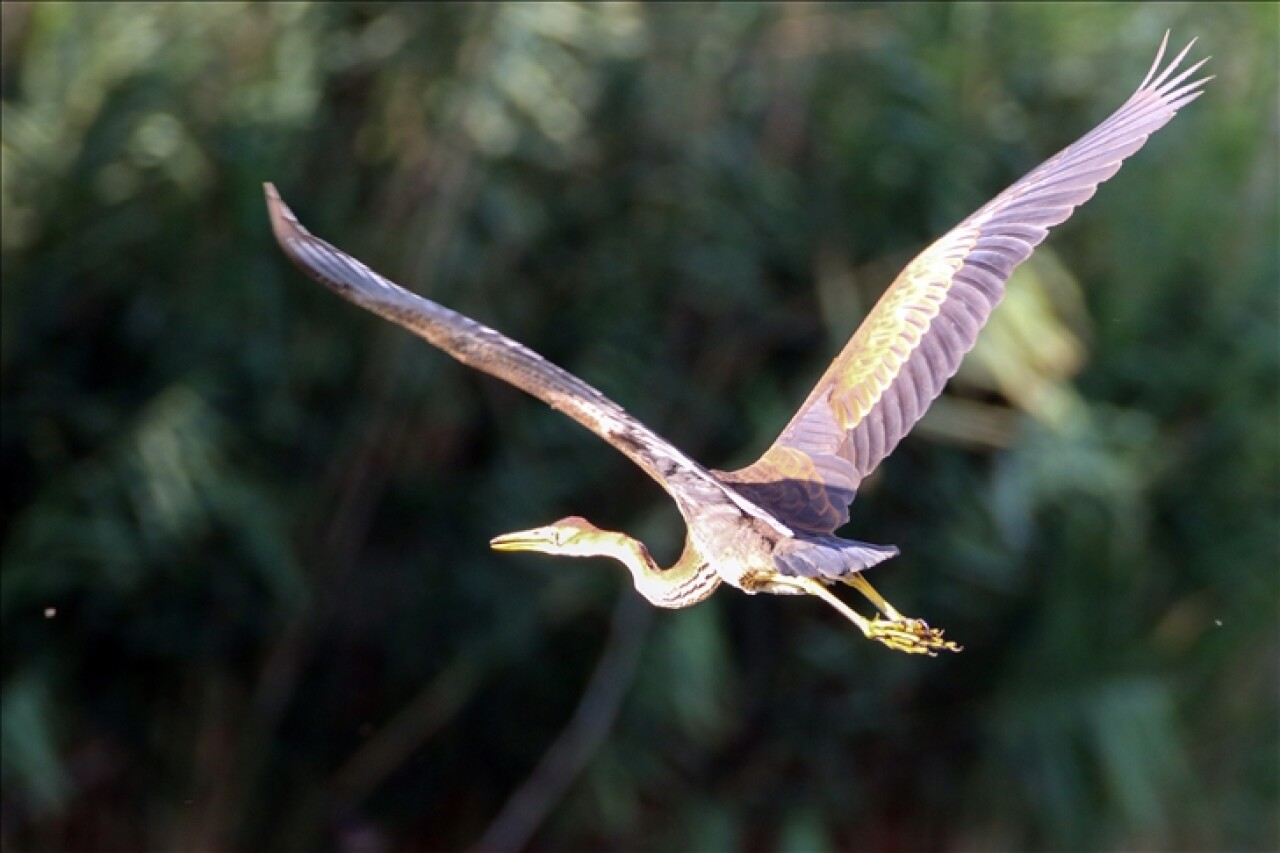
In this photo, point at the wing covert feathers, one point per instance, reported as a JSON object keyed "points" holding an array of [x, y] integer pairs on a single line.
{"points": [[914, 338]]}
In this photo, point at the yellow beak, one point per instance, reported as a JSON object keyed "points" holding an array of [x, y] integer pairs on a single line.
{"points": [[523, 540]]}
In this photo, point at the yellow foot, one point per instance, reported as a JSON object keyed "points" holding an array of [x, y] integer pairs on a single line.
{"points": [[913, 636]]}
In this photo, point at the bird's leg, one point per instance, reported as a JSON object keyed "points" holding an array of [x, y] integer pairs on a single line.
{"points": [[918, 626], [912, 636], [862, 585]]}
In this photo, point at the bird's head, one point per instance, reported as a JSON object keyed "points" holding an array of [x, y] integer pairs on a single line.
{"points": [[569, 537]]}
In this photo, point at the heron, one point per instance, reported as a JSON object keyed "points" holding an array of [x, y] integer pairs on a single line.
{"points": [[771, 527]]}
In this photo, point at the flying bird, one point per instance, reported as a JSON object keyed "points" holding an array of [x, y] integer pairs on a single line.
{"points": [[770, 527]]}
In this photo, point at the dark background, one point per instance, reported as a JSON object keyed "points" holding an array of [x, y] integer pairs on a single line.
{"points": [[247, 597]]}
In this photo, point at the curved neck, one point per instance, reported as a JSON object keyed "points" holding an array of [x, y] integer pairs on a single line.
{"points": [[689, 580]]}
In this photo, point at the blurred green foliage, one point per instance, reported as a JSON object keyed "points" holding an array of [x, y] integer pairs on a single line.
{"points": [[247, 602]]}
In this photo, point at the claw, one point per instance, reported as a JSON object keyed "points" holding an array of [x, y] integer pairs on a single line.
{"points": [[913, 636]]}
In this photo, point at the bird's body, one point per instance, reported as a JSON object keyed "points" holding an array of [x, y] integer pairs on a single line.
{"points": [[770, 527]]}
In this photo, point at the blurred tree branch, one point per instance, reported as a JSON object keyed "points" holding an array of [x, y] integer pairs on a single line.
{"points": [[530, 803]]}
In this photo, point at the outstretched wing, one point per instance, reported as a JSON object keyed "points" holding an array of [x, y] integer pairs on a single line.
{"points": [[479, 346], [914, 338]]}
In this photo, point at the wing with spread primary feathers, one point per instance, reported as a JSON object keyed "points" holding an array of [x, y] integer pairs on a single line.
{"points": [[914, 338], [479, 346]]}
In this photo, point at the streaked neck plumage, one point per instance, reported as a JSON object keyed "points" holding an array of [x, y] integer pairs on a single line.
{"points": [[689, 580]]}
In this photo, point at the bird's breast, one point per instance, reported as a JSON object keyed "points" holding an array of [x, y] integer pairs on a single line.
{"points": [[739, 550]]}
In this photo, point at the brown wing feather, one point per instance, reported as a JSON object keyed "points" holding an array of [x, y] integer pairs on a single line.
{"points": [[913, 340], [692, 486]]}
